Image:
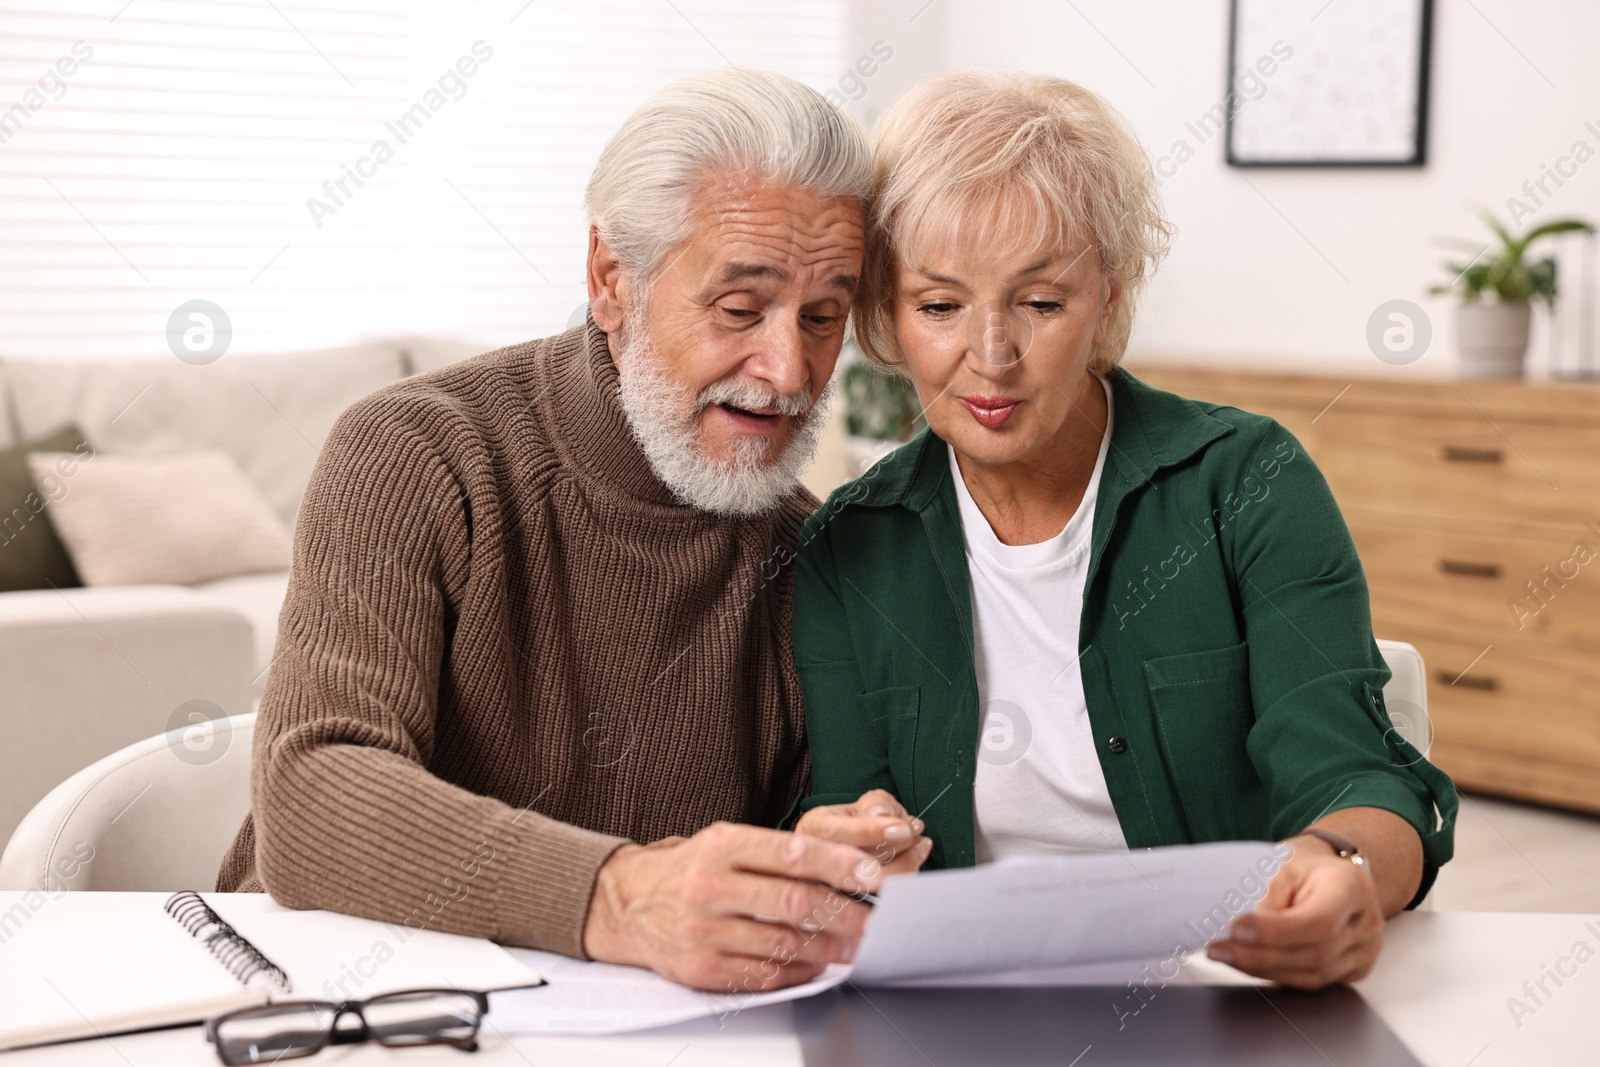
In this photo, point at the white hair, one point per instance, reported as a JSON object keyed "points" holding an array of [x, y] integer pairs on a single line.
{"points": [[664, 417], [736, 120]]}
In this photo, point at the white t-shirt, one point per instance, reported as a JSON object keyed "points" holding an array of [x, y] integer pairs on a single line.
{"points": [[1038, 787]]}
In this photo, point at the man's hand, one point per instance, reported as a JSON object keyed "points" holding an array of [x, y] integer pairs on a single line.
{"points": [[877, 824], [732, 909], [1321, 922]]}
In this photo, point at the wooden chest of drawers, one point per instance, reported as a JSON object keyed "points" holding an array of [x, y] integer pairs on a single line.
{"points": [[1476, 509]]}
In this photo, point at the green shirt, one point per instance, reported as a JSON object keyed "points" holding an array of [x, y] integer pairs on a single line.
{"points": [[1232, 681]]}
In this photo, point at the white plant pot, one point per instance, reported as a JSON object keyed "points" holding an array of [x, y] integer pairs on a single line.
{"points": [[1492, 339]]}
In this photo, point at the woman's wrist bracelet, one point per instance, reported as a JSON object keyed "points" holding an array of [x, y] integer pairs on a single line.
{"points": [[1342, 847]]}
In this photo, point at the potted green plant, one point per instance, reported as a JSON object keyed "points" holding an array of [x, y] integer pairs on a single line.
{"points": [[1497, 288], [879, 410]]}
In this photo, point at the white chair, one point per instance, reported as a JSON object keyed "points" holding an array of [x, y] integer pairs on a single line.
{"points": [[1406, 695], [90, 671], [158, 815]]}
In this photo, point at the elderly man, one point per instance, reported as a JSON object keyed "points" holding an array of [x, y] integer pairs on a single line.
{"points": [[534, 665]]}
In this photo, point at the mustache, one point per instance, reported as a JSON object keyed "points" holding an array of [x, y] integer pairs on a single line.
{"points": [[637, 345], [751, 397]]}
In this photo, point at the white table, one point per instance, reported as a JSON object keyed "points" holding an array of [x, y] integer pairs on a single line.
{"points": [[1443, 985]]}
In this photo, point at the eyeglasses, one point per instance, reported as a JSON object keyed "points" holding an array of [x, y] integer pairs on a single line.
{"points": [[291, 1029]]}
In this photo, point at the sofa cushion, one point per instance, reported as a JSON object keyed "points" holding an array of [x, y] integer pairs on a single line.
{"points": [[153, 520], [31, 554], [270, 413], [424, 354], [259, 598]]}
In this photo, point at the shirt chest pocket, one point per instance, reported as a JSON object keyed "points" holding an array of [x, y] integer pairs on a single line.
{"points": [[1204, 712]]}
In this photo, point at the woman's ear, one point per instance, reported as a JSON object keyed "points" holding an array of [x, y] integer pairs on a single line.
{"points": [[1113, 297], [607, 284]]}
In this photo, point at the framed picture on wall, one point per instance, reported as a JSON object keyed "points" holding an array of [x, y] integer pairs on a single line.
{"points": [[1328, 83]]}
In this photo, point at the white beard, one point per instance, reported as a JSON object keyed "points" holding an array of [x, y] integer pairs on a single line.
{"points": [[665, 419]]}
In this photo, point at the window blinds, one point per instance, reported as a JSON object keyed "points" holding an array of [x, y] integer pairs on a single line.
{"points": [[328, 172]]}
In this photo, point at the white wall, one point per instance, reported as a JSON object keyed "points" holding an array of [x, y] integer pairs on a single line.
{"points": [[1513, 83]]}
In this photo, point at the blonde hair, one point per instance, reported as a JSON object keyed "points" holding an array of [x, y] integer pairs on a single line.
{"points": [[963, 156]]}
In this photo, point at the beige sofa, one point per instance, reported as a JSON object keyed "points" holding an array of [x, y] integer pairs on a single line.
{"points": [[89, 671]]}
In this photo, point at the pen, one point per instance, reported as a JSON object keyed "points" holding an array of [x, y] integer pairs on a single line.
{"points": [[850, 894], [858, 896]]}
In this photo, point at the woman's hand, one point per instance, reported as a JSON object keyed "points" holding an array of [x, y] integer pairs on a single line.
{"points": [[876, 824], [1321, 922]]}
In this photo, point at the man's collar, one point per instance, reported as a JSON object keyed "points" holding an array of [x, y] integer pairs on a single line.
{"points": [[1151, 429], [579, 394]]}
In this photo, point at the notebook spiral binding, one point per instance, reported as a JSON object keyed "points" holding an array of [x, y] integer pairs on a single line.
{"points": [[231, 948]]}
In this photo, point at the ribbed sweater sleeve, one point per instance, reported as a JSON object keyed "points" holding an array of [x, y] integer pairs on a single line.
{"points": [[347, 815]]}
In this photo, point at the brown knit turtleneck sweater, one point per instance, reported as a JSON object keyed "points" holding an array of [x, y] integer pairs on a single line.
{"points": [[506, 649]]}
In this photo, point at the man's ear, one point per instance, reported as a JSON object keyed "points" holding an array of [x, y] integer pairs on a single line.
{"points": [[607, 284]]}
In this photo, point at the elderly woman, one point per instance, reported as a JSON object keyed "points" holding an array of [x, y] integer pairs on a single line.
{"points": [[1077, 612]]}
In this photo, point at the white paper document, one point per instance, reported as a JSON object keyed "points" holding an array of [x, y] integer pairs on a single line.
{"points": [[601, 998], [1023, 915]]}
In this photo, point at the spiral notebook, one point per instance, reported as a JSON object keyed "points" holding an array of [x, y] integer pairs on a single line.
{"points": [[140, 963]]}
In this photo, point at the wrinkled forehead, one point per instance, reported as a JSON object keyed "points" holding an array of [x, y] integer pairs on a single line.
{"points": [[730, 208]]}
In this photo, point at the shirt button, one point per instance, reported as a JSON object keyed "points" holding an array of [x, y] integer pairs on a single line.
{"points": [[1117, 745]]}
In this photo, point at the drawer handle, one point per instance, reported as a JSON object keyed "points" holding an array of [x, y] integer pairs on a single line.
{"points": [[1469, 568], [1462, 454], [1488, 685]]}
